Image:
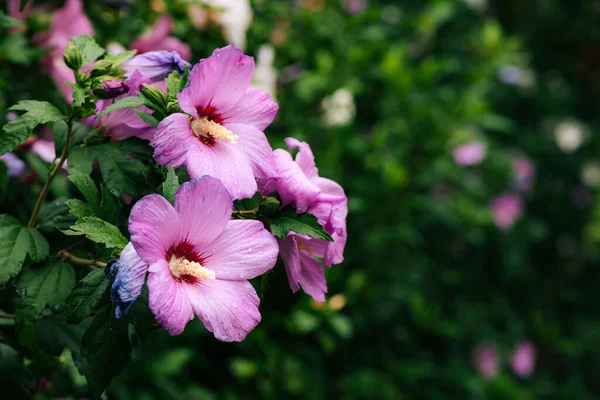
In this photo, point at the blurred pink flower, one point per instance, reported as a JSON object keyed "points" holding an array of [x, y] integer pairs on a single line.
{"points": [[354, 6], [44, 149], [470, 154], [14, 165], [158, 39], [66, 22], [506, 209], [524, 172], [523, 359], [14, 6], [485, 358]]}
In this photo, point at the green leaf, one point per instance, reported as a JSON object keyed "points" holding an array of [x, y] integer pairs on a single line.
{"points": [[99, 231], [147, 118], [86, 296], [49, 285], [18, 130], [170, 185], [120, 162], [120, 58], [59, 131], [303, 224], [85, 184], [106, 347], [172, 82], [125, 102], [78, 96], [8, 22], [90, 50], [109, 206], [79, 209], [16, 242], [15, 377], [23, 5], [54, 214]]}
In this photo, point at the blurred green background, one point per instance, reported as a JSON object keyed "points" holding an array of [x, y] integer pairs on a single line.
{"points": [[385, 92]]}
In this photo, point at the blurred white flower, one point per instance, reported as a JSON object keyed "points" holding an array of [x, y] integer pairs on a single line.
{"points": [[265, 75], [477, 5], [234, 16], [339, 108], [515, 76], [115, 48], [590, 174], [569, 136]]}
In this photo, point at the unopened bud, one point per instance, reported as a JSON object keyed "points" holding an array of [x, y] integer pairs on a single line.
{"points": [[154, 94], [110, 89], [72, 56], [102, 67], [173, 107]]}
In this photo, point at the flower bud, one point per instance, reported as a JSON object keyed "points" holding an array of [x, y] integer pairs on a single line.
{"points": [[102, 67], [156, 65], [72, 56], [110, 89], [154, 94], [173, 107], [269, 205]]}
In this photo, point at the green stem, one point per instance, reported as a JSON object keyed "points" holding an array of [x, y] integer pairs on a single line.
{"points": [[66, 256], [245, 212], [52, 175]]}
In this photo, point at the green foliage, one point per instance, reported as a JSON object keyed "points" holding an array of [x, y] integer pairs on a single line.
{"points": [[86, 296], [90, 50], [99, 231], [303, 224], [170, 185], [16, 244], [36, 113], [125, 102]]}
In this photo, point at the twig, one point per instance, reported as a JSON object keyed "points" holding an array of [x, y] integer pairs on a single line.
{"points": [[243, 212], [52, 175], [7, 316], [66, 256]]}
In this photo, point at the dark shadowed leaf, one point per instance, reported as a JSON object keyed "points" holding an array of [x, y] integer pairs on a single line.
{"points": [[303, 224], [86, 296]]}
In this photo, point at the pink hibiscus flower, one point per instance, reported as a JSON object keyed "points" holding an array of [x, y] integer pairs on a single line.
{"points": [[158, 39], [506, 210], [485, 358], [301, 186], [225, 136], [470, 154], [522, 360], [200, 260]]}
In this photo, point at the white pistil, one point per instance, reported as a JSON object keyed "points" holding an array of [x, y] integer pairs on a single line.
{"points": [[203, 127], [182, 266]]}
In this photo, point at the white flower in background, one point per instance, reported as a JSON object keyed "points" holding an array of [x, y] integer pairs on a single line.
{"points": [[115, 48], [515, 76], [234, 17], [265, 76], [590, 174], [569, 136], [339, 108], [477, 5]]}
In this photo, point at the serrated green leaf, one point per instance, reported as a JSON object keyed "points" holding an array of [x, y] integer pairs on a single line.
{"points": [[109, 206], [125, 102], [49, 284], [59, 131], [99, 231], [120, 162], [106, 348], [90, 50], [85, 184], [54, 214], [120, 58], [16, 243], [78, 96], [170, 185], [79, 209], [18, 130], [86, 296], [303, 224], [172, 84], [147, 118]]}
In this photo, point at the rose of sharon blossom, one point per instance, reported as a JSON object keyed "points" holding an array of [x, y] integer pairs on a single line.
{"points": [[469, 154], [66, 22], [506, 209], [224, 137], [522, 360], [199, 260], [301, 186], [157, 65], [14, 9], [158, 39], [124, 123], [14, 165], [486, 361], [130, 273]]}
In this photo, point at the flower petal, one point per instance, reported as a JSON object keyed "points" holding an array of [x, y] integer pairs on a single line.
{"points": [[204, 207], [229, 309], [131, 274], [167, 299], [225, 162], [243, 251], [305, 158], [256, 108], [255, 145], [288, 250], [312, 277], [153, 227], [172, 140], [294, 186], [217, 83], [334, 254]]}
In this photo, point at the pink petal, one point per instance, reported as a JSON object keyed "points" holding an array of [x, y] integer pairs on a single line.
{"points": [[217, 83], [294, 186], [225, 162], [204, 207], [255, 145], [243, 251], [288, 250], [305, 158], [167, 299], [153, 227], [172, 140], [312, 277], [256, 108], [335, 251], [229, 309]]}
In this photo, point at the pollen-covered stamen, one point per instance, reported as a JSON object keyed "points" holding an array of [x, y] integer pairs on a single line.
{"points": [[180, 267], [205, 128]]}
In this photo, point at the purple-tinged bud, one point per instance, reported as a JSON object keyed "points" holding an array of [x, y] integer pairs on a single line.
{"points": [[110, 89], [156, 65]]}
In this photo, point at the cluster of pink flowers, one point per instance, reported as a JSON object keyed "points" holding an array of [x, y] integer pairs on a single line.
{"points": [[522, 360]]}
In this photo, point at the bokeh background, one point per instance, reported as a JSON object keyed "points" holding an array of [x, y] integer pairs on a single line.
{"points": [[465, 135]]}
